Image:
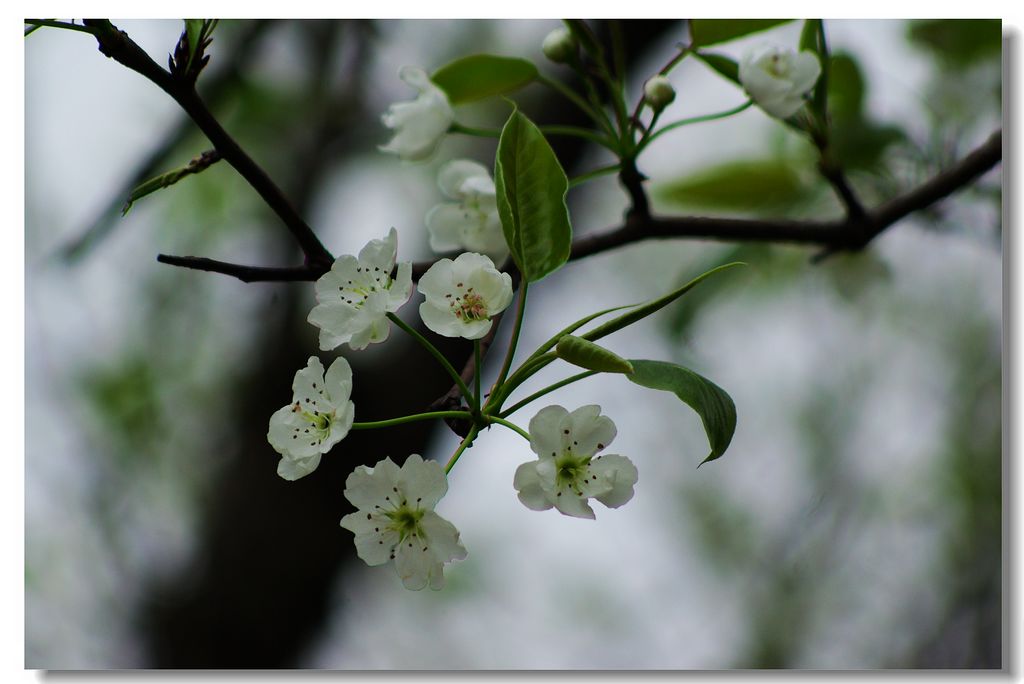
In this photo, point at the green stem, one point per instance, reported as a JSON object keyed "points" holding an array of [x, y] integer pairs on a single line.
{"points": [[510, 425], [496, 388], [597, 114], [410, 419], [59, 24], [683, 51], [521, 375], [591, 175], [477, 397], [547, 390], [456, 127], [463, 445], [436, 354], [696, 119], [577, 132]]}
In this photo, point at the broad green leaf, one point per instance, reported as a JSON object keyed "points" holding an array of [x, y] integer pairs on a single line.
{"points": [[705, 32], [646, 310], [749, 186], [958, 43], [722, 64], [714, 406], [531, 187], [479, 76], [586, 354]]}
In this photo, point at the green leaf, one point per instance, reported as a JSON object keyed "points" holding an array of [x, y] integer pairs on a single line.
{"points": [[165, 180], [193, 33], [479, 76], [713, 31], [646, 310], [855, 141], [531, 188], [749, 186], [723, 65], [713, 404], [586, 354], [958, 43]]}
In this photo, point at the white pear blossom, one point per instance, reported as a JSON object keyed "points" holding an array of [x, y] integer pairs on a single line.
{"points": [[396, 521], [463, 295], [777, 78], [355, 296], [471, 222], [421, 124], [566, 474], [319, 417]]}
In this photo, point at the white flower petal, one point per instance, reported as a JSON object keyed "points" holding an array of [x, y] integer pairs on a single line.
{"points": [[570, 503], [446, 226], [441, 321], [623, 474], [590, 432], [546, 431], [338, 381], [777, 79], [421, 124], [527, 483], [380, 254], [422, 482], [414, 563], [442, 538], [290, 433], [437, 282], [367, 487], [452, 175], [293, 468], [401, 287]]}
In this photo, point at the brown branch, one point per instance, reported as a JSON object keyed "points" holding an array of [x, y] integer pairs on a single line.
{"points": [[849, 233], [247, 274], [116, 44]]}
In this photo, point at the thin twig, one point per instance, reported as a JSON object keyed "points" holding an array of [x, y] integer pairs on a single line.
{"points": [[116, 44]]}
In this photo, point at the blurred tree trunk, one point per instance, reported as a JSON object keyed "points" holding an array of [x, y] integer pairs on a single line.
{"points": [[259, 586]]}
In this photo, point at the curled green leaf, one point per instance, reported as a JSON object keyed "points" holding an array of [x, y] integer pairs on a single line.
{"points": [[586, 354], [713, 404], [165, 180]]}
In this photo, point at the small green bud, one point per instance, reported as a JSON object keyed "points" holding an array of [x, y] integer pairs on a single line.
{"points": [[559, 46], [586, 354], [659, 92]]}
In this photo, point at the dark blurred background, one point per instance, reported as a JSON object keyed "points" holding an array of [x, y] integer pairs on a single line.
{"points": [[854, 523]]}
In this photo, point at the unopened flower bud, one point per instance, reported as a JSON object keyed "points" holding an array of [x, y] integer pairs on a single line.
{"points": [[659, 92], [559, 46]]}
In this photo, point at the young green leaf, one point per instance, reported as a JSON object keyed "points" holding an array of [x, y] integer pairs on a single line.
{"points": [[480, 76], [193, 33], [165, 180], [714, 406], [585, 354], [531, 188], [646, 310], [713, 31], [722, 64], [752, 185]]}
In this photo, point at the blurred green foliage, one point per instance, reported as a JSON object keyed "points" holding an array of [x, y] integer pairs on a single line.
{"points": [[957, 43]]}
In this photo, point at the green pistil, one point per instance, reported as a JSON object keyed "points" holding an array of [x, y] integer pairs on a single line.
{"points": [[571, 470], [405, 521]]}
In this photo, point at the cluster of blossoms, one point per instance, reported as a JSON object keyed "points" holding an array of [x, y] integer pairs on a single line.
{"points": [[358, 300]]}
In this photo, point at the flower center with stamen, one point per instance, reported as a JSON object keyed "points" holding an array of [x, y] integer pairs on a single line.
{"points": [[470, 307], [405, 521]]}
